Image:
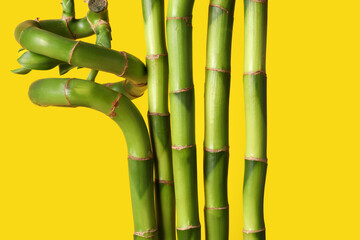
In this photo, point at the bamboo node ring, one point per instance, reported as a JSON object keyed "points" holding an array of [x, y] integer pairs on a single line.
{"points": [[218, 70], [158, 114], [183, 90], [188, 227], [91, 25], [166, 182], [126, 64], [186, 19], [263, 160], [218, 208], [155, 56], [223, 149], [182, 147], [67, 20], [102, 22], [224, 9], [115, 104], [253, 231], [143, 234], [137, 84], [72, 51], [260, 1], [256, 73], [65, 90], [128, 92], [140, 159]]}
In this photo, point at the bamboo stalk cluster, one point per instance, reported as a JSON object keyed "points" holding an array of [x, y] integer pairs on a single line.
{"points": [[169, 151]]}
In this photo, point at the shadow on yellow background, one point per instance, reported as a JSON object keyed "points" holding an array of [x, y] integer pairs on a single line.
{"points": [[63, 172]]}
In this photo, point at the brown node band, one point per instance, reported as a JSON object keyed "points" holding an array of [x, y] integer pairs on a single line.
{"points": [[182, 147], [218, 70], [224, 9], [253, 231], [139, 159], [219, 208], [263, 160], [108, 84], [183, 90], [186, 19], [158, 114], [143, 234], [188, 227], [137, 84], [126, 64], [256, 73], [129, 93], [155, 56], [72, 51], [37, 19], [102, 22], [223, 149], [115, 104], [67, 20], [166, 182], [259, 1], [91, 25], [65, 89]]}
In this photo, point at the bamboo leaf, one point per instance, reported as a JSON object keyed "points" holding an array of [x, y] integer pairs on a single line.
{"points": [[22, 71]]}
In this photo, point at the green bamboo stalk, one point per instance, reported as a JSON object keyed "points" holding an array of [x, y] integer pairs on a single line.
{"points": [[255, 118], [182, 105], [76, 92], [216, 144], [159, 117], [78, 53]]}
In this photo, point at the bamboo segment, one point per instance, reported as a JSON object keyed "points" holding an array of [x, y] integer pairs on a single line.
{"points": [[255, 118], [81, 54], [182, 105], [76, 92], [216, 144], [159, 118]]}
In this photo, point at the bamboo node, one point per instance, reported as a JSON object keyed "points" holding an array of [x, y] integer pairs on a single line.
{"points": [[108, 84], [189, 227], [183, 90], [143, 234], [65, 90], [115, 104], [253, 231], [182, 147], [256, 73], [67, 20], [137, 84], [218, 70], [91, 25], [102, 22], [186, 19], [223, 149], [260, 1], [218, 208], [158, 114], [72, 51], [128, 92], [263, 160], [166, 182], [155, 56], [224, 9], [149, 157], [126, 64]]}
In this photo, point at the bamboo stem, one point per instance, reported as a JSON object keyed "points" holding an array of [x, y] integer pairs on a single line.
{"points": [[216, 144], [76, 92], [255, 118], [81, 54], [159, 118], [182, 105]]}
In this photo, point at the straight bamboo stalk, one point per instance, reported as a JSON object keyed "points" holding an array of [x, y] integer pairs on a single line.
{"points": [[216, 144], [255, 118], [182, 105], [158, 115], [76, 92]]}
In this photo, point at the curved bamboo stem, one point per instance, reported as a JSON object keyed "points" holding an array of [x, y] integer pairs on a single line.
{"points": [[216, 144], [255, 118], [159, 117], [76, 92], [81, 54], [182, 105]]}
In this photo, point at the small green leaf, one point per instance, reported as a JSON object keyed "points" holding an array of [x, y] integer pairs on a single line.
{"points": [[64, 68], [21, 71]]}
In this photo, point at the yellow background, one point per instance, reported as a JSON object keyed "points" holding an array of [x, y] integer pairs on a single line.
{"points": [[63, 172]]}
